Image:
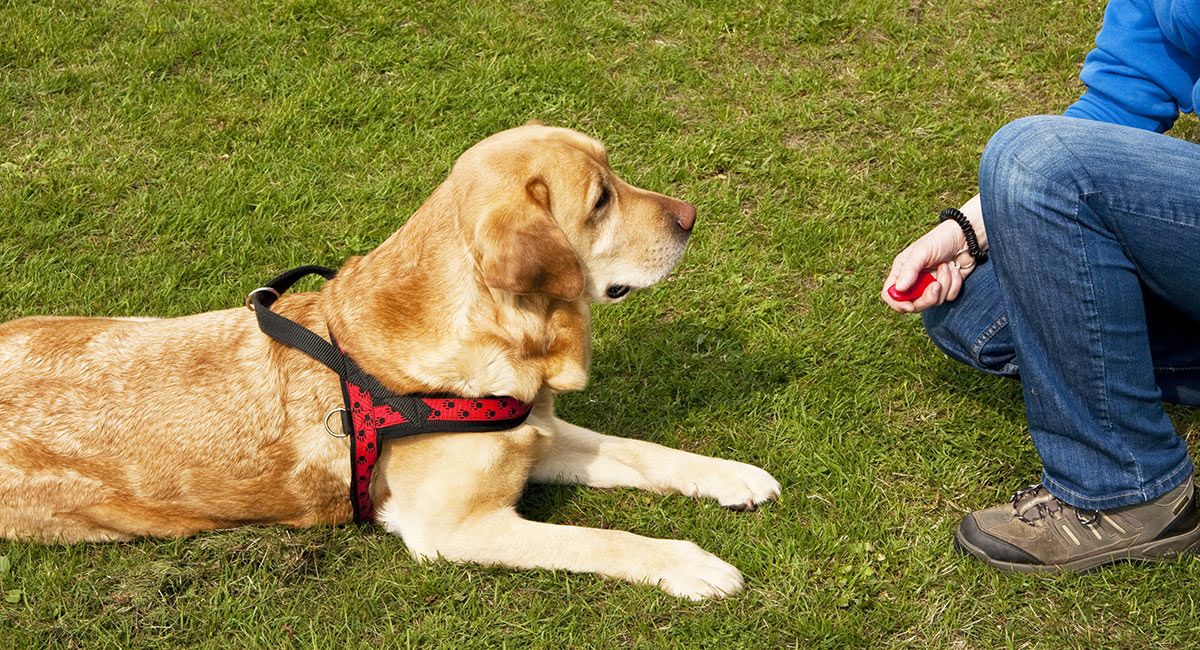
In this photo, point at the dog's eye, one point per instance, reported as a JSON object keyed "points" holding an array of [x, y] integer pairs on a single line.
{"points": [[602, 200]]}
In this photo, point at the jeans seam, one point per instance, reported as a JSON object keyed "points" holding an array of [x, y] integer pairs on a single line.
{"points": [[1103, 415], [1081, 197], [987, 335], [1110, 222]]}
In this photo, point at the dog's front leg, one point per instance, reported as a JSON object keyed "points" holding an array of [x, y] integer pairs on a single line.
{"points": [[502, 537], [453, 497], [579, 455]]}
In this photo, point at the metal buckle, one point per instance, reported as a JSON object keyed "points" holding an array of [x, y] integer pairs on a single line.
{"points": [[330, 431], [250, 296]]}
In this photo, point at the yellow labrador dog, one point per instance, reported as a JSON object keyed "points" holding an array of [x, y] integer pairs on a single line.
{"points": [[114, 428]]}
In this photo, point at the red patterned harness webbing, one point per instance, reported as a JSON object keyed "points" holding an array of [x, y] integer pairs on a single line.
{"points": [[372, 422]]}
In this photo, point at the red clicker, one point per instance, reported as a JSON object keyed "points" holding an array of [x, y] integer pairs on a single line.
{"points": [[923, 280]]}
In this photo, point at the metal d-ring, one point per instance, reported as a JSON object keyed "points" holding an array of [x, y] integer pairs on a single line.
{"points": [[250, 296], [963, 267], [330, 431]]}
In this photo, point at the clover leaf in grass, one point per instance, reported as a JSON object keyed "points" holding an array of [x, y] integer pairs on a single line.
{"points": [[11, 596]]}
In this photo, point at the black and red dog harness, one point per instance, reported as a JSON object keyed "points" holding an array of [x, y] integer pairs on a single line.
{"points": [[373, 413]]}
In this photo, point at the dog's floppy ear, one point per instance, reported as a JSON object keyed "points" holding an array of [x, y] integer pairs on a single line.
{"points": [[522, 250]]}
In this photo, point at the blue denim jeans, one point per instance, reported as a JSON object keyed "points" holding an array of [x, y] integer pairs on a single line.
{"points": [[1091, 296]]}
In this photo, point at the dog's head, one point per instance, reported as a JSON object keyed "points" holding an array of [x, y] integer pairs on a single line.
{"points": [[532, 215], [547, 215]]}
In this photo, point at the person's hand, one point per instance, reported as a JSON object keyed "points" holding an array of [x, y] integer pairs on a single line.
{"points": [[934, 251]]}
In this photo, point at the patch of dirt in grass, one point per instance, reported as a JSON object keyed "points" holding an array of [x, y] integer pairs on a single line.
{"points": [[807, 139]]}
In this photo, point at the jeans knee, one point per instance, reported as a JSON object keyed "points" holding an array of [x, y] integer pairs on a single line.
{"points": [[1025, 155], [1028, 145]]}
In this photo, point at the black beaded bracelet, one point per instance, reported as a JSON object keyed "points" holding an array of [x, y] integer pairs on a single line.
{"points": [[979, 254]]}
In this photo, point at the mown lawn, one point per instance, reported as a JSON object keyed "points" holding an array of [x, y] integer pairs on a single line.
{"points": [[163, 158]]}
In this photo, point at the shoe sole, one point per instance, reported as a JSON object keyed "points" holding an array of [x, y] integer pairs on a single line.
{"points": [[1158, 550]]}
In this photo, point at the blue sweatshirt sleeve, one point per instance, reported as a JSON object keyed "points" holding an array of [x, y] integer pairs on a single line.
{"points": [[1144, 69]]}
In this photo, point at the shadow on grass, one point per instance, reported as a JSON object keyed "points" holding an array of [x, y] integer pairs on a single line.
{"points": [[650, 379], [987, 392], [655, 381]]}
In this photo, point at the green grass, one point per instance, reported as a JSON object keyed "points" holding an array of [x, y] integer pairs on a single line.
{"points": [[165, 158]]}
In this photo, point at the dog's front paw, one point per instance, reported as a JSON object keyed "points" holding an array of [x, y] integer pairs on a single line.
{"points": [[693, 573], [736, 486]]}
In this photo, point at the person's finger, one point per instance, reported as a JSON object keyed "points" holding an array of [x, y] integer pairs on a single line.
{"points": [[925, 253], [904, 307], [956, 283], [942, 273], [934, 292], [904, 275], [928, 299]]}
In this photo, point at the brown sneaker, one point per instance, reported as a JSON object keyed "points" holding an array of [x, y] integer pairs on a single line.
{"points": [[1037, 533]]}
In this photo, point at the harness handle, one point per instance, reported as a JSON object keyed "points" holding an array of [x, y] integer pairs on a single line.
{"points": [[287, 331]]}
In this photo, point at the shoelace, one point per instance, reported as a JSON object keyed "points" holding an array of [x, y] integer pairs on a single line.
{"points": [[1041, 504]]}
